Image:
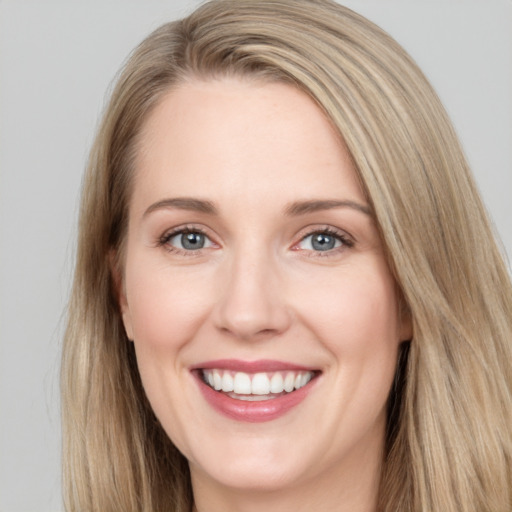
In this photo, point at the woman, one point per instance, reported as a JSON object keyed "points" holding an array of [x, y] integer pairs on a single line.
{"points": [[287, 292]]}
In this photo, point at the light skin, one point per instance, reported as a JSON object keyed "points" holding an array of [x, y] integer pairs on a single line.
{"points": [[290, 267]]}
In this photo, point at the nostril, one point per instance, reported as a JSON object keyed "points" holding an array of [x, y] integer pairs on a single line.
{"points": [[252, 322]]}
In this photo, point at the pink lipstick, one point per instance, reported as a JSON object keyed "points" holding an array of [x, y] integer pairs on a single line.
{"points": [[253, 391]]}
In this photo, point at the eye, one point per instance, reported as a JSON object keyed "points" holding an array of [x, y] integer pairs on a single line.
{"points": [[186, 240], [323, 241]]}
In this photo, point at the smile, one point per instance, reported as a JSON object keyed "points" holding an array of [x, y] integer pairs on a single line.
{"points": [[256, 391], [255, 386]]}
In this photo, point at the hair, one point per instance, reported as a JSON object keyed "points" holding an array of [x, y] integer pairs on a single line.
{"points": [[449, 443]]}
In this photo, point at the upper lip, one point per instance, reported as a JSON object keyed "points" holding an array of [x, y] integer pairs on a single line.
{"points": [[261, 365]]}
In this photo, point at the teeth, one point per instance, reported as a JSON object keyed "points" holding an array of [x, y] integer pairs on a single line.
{"points": [[260, 384], [242, 384], [289, 382], [276, 383], [227, 382], [217, 381]]}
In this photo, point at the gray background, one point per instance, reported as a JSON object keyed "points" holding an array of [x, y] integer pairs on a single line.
{"points": [[57, 59]]}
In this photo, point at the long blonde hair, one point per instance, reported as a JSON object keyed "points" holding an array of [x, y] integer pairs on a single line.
{"points": [[449, 444]]}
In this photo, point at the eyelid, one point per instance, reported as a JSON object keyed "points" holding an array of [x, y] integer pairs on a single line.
{"points": [[177, 239], [347, 241], [163, 240]]}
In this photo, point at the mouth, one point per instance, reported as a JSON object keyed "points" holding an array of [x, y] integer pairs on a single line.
{"points": [[256, 391], [254, 387]]}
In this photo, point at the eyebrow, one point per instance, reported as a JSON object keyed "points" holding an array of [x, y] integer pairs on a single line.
{"points": [[315, 205], [294, 209], [183, 203]]}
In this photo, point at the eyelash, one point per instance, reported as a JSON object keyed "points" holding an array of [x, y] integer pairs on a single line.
{"points": [[346, 241], [164, 240]]}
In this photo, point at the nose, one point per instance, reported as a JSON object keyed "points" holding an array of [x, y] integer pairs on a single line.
{"points": [[252, 301]]}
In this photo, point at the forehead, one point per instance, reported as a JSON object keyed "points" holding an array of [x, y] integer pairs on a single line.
{"points": [[234, 138]]}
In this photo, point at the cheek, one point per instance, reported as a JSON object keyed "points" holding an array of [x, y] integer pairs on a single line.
{"points": [[166, 306], [356, 319], [354, 314], [354, 310]]}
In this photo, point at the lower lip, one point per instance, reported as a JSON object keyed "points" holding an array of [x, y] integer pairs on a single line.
{"points": [[253, 412]]}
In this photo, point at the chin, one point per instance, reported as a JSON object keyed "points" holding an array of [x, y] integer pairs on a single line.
{"points": [[260, 475], [262, 464]]}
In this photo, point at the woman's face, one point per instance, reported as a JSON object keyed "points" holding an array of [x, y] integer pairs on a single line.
{"points": [[253, 266]]}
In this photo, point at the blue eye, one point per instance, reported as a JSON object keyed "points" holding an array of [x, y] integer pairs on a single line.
{"points": [[323, 241], [188, 240]]}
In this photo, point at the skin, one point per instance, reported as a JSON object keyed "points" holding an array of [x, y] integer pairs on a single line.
{"points": [[258, 289]]}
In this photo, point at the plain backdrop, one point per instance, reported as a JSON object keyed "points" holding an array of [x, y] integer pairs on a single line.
{"points": [[57, 61]]}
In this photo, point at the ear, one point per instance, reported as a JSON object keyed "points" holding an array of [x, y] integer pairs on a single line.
{"points": [[120, 292]]}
